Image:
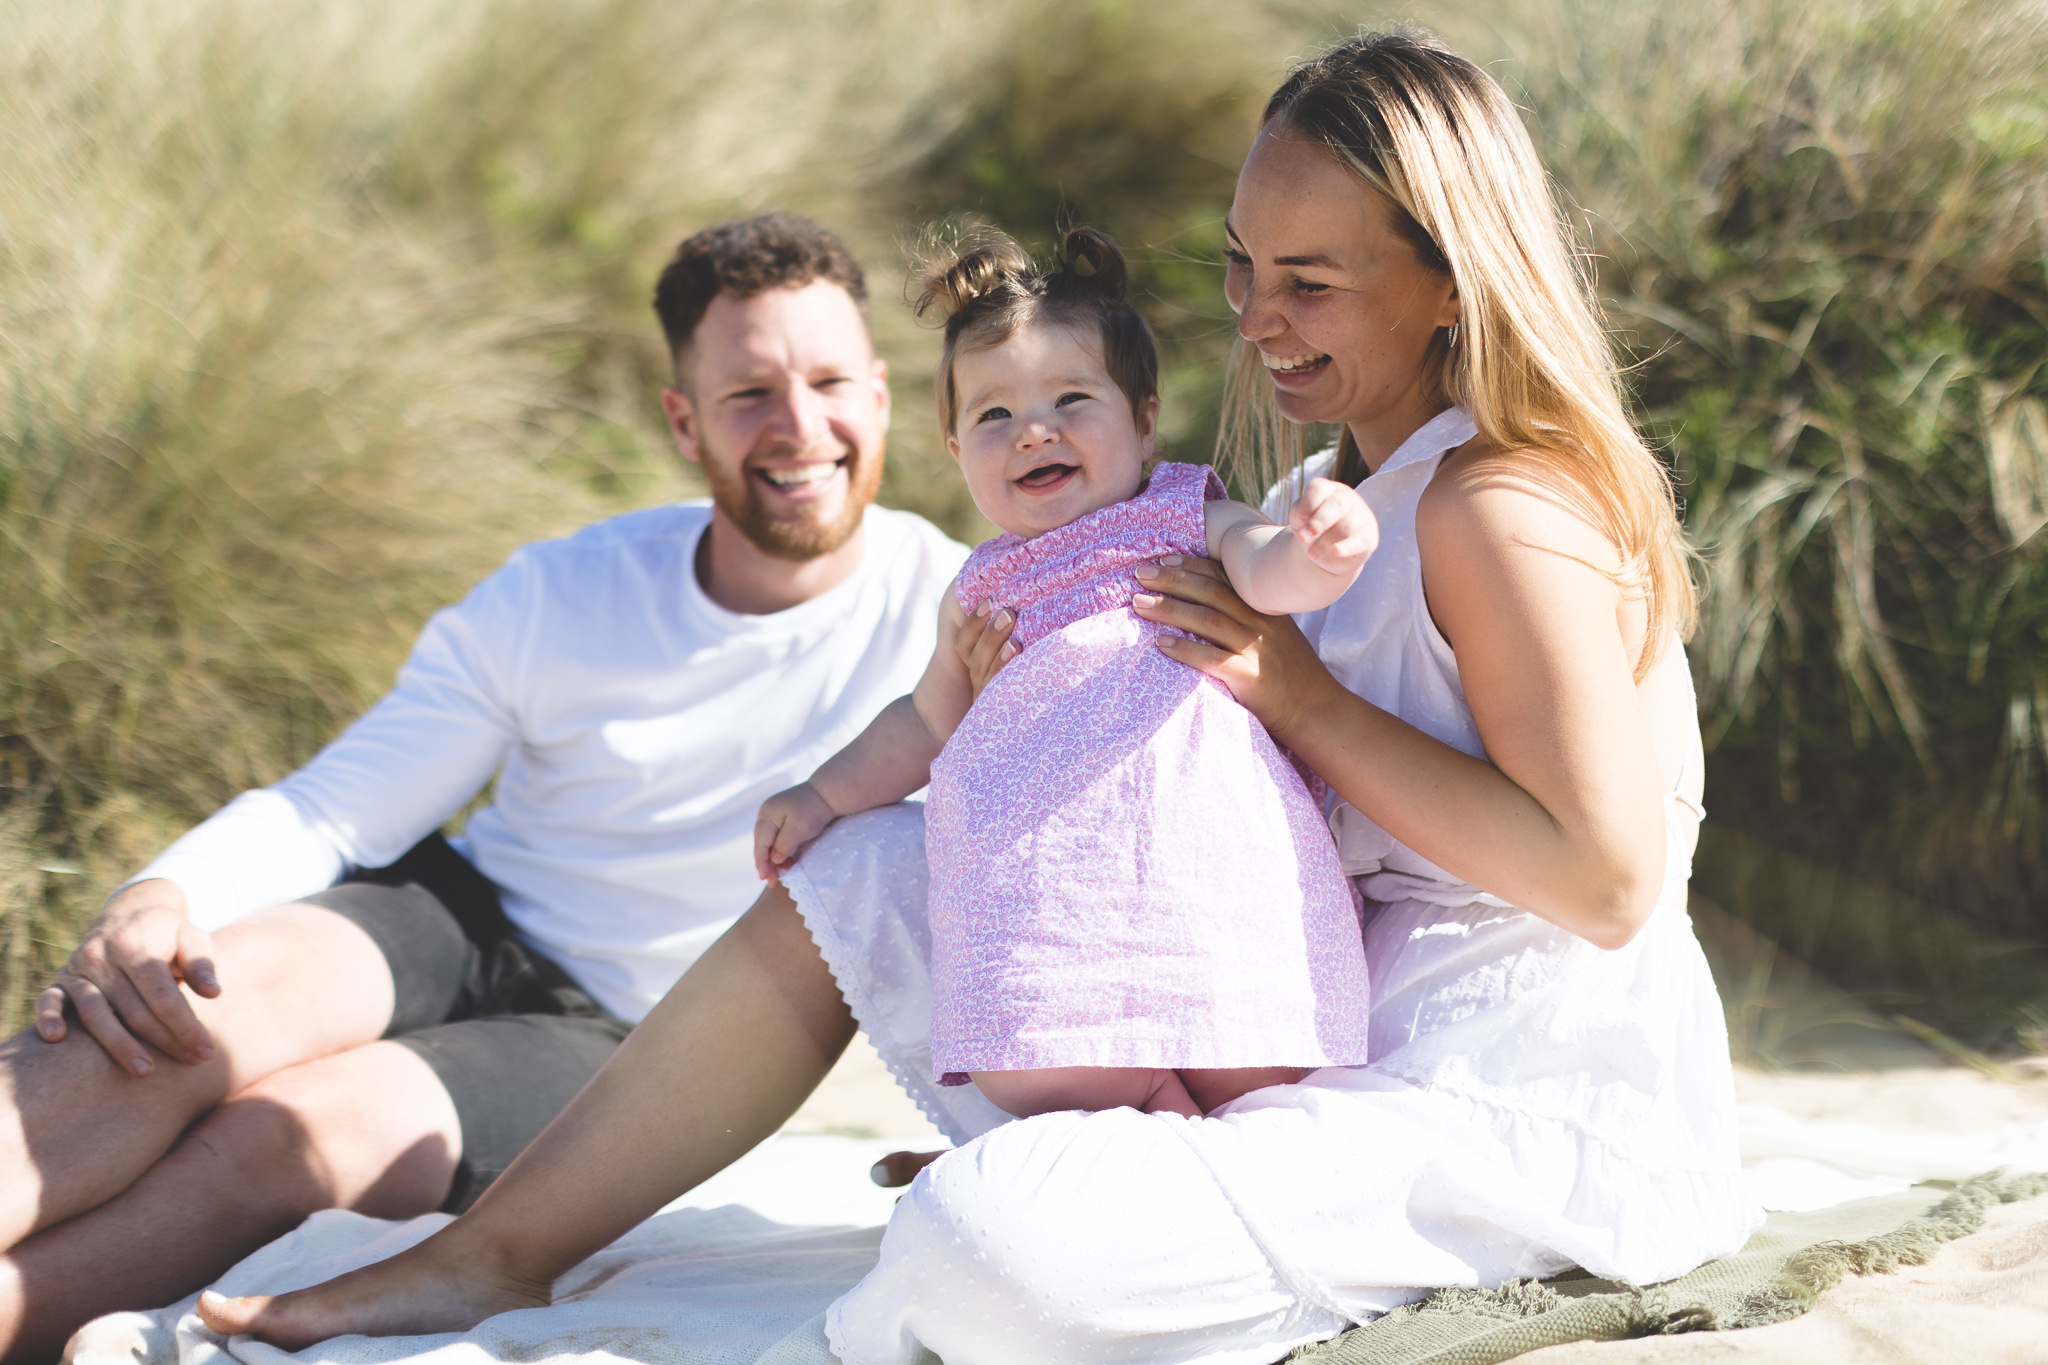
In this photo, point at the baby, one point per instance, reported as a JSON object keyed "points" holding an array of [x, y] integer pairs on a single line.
{"points": [[1134, 899]]}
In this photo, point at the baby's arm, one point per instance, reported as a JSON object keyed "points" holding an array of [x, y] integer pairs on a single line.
{"points": [[1304, 565], [886, 762]]}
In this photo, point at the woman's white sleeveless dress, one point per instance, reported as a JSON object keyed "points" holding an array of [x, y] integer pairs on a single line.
{"points": [[1532, 1102]]}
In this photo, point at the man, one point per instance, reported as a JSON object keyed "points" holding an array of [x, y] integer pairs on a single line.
{"points": [[239, 1041]]}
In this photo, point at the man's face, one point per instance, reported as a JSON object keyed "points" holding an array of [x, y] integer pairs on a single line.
{"points": [[785, 407]]}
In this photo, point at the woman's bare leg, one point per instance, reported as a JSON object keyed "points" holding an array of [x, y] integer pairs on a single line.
{"points": [[1050, 1090], [720, 1064]]}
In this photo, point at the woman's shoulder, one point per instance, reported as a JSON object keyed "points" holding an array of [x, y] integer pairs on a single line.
{"points": [[1486, 500]]}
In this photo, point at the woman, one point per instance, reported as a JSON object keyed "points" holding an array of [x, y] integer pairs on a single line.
{"points": [[1503, 713]]}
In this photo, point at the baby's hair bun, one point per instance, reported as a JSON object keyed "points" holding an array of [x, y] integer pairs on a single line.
{"points": [[950, 280], [983, 287], [1087, 259]]}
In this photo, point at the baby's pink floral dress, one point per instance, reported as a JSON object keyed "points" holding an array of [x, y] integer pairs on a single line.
{"points": [[1125, 869]]}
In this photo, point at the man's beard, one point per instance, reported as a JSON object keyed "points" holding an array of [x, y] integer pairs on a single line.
{"points": [[799, 538]]}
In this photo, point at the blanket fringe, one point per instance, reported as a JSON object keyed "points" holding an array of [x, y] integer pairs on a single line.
{"points": [[1656, 1311], [1817, 1269]]}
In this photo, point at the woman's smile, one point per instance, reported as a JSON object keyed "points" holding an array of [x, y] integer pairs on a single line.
{"points": [[1294, 371]]}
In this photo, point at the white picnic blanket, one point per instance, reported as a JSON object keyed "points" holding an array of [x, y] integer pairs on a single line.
{"points": [[740, 1271]]}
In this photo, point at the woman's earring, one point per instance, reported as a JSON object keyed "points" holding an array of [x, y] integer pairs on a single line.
{"points": [[1452, 344]]}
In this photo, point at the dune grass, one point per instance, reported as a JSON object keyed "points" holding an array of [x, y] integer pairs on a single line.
{"points": [[1826, 231], [308, 313]]}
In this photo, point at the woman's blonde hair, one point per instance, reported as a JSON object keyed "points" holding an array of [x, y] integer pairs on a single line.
{"points": [[989, 289], [1441, 144]]}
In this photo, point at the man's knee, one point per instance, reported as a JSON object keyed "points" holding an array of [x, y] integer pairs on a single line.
{"points": [[371, 1129], [353, 982]]}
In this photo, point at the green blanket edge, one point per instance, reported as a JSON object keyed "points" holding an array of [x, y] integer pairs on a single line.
{"points": [[1462, 1326]]}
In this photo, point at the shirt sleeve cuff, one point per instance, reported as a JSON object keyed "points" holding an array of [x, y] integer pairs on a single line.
{"points": [[257, 851]]}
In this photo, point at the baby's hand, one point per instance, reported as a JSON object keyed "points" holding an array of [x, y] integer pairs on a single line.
{"points": [[789, 820], [1334, 526]]}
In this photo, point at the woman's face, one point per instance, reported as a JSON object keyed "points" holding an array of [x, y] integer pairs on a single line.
{"points": [[1338, 305]]}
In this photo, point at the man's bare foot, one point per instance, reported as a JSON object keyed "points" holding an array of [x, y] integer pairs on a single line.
{"points": [[900, 1168], [415, 1293]]}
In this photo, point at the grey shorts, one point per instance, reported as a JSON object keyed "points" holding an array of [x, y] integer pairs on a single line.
{"points": [[508, 1033]]}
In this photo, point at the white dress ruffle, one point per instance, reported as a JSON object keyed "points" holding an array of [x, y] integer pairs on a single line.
{"points": [[1533, 1102]]}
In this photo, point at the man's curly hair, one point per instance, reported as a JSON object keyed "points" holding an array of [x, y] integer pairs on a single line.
{"points": [[745, 257]]}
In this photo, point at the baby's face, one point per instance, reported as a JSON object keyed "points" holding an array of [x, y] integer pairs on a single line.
{"points": [[1045, 436]]}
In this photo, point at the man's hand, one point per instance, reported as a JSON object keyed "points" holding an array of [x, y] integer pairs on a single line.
{"points": [[124, 980], [789, 820], [1334, 525]]}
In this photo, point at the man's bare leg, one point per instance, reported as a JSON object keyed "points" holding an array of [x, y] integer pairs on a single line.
{"points": [[721, 1063], [371, 1129], [299, 983]]}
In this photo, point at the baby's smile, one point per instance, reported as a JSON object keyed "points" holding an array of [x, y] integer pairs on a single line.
{"points": [[1047, 478]]}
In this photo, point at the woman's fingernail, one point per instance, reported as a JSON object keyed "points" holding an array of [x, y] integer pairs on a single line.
{"points": [[879, 1173], [1146, 572], [1008, 651], [204, 1054], [1146, 599], [140, 1066], [48, 1028], [981, 609], [1002, 619], [1171, 559]]}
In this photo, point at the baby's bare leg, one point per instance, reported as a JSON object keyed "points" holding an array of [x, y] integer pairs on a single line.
{"points": [[1220, 1086], [1053, 1089]]}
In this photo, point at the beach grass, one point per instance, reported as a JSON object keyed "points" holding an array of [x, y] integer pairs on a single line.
{"points": [[1825, 231], [309, 313]]}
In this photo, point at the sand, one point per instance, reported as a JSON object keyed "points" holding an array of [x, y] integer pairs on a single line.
{"points": [[1983, 1300]]}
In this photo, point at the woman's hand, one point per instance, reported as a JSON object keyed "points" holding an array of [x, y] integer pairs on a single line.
{"points": [[983, 644], [1265, 661]]}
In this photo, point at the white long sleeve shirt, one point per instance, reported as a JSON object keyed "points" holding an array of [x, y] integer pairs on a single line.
{"points": [[634, 727]]}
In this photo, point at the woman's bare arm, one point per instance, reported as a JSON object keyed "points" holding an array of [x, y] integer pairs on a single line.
{"points": [[1566, 821]]}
